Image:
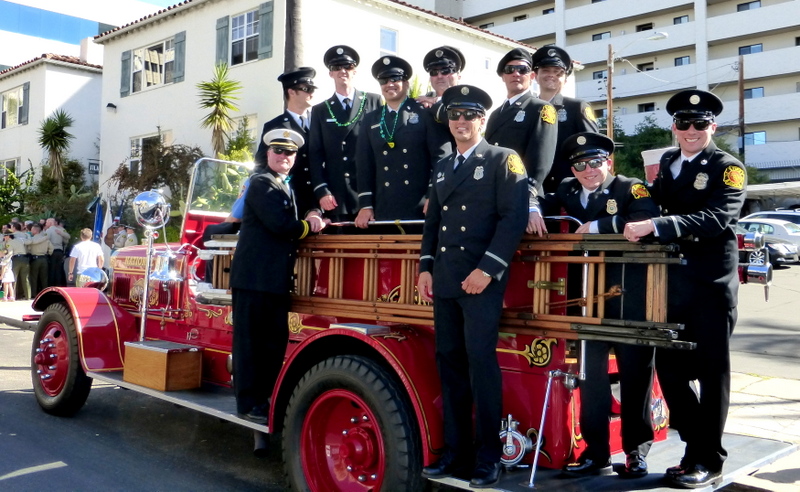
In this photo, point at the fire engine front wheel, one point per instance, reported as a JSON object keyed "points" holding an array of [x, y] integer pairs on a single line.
{"points": [[59, 382], [348, 427]]}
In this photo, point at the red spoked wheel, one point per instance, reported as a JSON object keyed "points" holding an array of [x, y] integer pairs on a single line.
{"points": [[348, 427], [59, 381]]}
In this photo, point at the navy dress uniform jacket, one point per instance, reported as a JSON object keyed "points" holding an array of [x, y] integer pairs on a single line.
{"points": [[529, 127], [574, 116], [268, 237], [476, 217], [395, 180], [332, 148], [301, 171]]}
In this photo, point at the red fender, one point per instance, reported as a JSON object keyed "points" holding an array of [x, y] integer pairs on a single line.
{"points": [[103, 327]]}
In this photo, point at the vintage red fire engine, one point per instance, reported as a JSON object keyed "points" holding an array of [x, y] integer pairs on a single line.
{"points": [[358, 399]]}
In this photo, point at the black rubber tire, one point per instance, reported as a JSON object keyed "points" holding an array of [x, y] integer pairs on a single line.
{"points": [[386, 400], [72, 396]]}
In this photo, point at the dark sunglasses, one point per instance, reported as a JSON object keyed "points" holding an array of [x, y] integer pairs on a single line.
{"points": [[443, 71], [520, 69], [305, 88], [281, 150], [348, 66], [386, 80], [594, 164], [469, 115], [699, 124]]}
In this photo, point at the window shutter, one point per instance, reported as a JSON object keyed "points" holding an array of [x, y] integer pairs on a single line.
{"points": [[222, 40], [26, 94], [125, 74], [180, 57], [265, 25]]}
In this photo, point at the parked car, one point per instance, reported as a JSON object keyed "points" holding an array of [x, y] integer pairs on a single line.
{"points": [[782, 229], [789, 215], [776, 251]]}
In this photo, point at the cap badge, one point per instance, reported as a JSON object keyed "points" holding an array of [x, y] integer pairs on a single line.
{"points": [[611, 207], [581, 140], [551, 52], [339, 51], [465, 90], [386, 61], [701, 181], [439, 53], [695, 99], [286, 134], [478, 173]]}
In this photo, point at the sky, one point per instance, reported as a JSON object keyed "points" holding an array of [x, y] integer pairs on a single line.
{"points": [[162, 3]]}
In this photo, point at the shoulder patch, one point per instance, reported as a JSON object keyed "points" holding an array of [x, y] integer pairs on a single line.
{"points": [[734, 177], [549, 114], [515, 165], [639, 191], [589, 113]]}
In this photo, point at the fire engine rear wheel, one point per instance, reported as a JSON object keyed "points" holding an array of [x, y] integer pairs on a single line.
{"points": [[59, 382], [348, 427]]}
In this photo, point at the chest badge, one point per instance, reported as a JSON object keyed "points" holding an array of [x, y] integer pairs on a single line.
{"points": [[701, 181], [413, 119], [439, 177], [562, 115], [611, 207], [520, 117], [478, 174]]}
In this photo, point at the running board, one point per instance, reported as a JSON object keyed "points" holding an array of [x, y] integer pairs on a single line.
{"points": [[213, 400]]}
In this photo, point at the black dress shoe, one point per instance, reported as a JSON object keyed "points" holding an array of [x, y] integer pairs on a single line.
{"points": [[485, 475], [635, 466], [257, 415], [586, 466], [680, 469], [698, 476], [447, 466]]}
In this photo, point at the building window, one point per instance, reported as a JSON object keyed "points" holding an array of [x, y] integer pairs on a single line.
{"points": [[797, 41], [600, 75], [153, 65], [755, 138], [647, 107], [548, 11], [7, 167], [682, 60], [600, 113], [644, 27], [522, 17], [645, 67], [748, 6], [753, 48], [143, 153], [487, 25], [244, 38], [598, 1], [14, 107], [388, 41], [754, 93], [602, 35], [683, 19]]}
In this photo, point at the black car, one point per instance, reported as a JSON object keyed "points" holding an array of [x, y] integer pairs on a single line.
{"points": [[776, 251]]}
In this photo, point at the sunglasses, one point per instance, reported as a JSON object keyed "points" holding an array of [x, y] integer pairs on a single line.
{"points": [[281, 150], [443, 71], [520, 69], [594, 164], [699, 124], [305, 88], [348, 66], [386, 80], [469, 115]]}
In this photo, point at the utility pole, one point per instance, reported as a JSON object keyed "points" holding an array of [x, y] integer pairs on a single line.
{"points": [[609, 93], [293, 52], [741, 106]]}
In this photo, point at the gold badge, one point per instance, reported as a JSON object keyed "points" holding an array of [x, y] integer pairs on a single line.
{"points": [[286, 134], [701, 181], [465, 90], [639, 191], [549, 114], [611, 207], [589, 114], [515, 164], [734, 177]]}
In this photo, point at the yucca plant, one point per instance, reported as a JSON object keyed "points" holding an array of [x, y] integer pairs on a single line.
{"points": [[218, 95], [55, 139]]}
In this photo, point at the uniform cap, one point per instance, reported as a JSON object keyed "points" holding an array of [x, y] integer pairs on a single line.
{"points": [[303, 75], [515, 54], [466, 97], [391, 66], [444, 57], [694, 104], [587, 145], [552, 56], [282, 137], [341, 55]]}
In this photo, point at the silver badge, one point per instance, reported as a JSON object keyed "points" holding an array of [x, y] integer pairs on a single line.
{"points": [[581, 140], [478, 172], [339, 51], [552, 52], [386, 61], [701, 181], [520, 117], [465, 90], [413, 119], [439, 176], [562, 115], [695, 99], [439, 53]]}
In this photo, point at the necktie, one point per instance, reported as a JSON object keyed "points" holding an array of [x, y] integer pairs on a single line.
{"points": [[460, 160], [346, 103], [303, 123], [504, 106]]}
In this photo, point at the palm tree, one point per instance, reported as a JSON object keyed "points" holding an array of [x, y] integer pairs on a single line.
{"points": [[218, 95], [55, 139]]}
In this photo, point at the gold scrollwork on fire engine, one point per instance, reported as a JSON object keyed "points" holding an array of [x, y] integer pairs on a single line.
{"points": [[210, 313], [229, 317], [533, 435], [137, 290], [392, 296], [295, 326], [538, 354]]}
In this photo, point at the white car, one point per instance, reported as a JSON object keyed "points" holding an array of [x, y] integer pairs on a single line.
{"points": [[781, 229]]}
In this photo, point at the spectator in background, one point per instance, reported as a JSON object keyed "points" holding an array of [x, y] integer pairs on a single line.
{"points": [[39, 250], [59, 238], [85, 254], [20, 263], [130, 236], [6, 273]]}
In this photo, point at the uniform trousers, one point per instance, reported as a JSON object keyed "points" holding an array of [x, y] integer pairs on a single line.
{"points": [[635, 365], [260, 337], [38, 274], [56, 275], [699, 416], [466, 330], [20, 265]]}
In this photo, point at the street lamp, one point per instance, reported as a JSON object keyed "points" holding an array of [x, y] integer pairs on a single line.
{"points": [[610, 76]]}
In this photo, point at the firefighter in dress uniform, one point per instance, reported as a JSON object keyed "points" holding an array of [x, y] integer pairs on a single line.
{"points": [[477, 213], [605, 203], [552, 65], [701, 190], [335, 126], [444, 66], [396, 150], [261, 276]]}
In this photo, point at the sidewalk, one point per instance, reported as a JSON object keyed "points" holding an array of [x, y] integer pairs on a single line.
{"points": [[760, 406]]}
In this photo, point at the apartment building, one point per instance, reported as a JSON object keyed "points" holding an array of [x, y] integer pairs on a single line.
{"points": [[704, 39]]}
